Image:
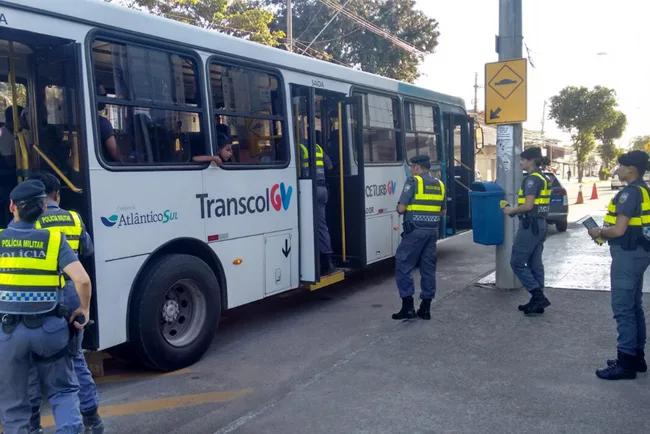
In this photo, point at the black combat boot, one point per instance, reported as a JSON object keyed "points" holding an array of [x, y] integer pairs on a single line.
{"points": [[537, 302], [92, 421], [424, 311], [639, 366], [408, 311], [35, 421], [621, 369], [523, 307], [326, 265]]}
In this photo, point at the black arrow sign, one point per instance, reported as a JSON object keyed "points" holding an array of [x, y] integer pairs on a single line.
{"points": [[494, 114], [286, 249]]}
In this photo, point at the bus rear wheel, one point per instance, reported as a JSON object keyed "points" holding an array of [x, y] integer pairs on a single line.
{"points": [[175, 312]]}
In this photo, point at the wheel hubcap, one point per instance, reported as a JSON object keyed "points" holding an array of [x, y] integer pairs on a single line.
{"points": [[183, 313], [171, 310]]}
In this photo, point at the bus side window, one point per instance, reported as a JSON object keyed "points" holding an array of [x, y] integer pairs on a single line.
{"points": [[152, 100], [248, 108], [381, 129], [422, 131]]}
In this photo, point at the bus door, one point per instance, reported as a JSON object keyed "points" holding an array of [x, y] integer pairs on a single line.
{"points": [[460, 172], [329, 120], [43, 76]]}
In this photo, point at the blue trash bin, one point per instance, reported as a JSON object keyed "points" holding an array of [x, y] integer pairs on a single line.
{"points": [[487, 217]]}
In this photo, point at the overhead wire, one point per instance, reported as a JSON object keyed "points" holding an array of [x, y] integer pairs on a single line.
{"points": [[383, 33], [353, 31]]}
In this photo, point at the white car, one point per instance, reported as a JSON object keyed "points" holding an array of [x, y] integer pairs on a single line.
{"points": [[617, 184]]}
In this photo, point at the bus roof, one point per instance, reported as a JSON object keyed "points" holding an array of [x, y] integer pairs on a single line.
{"points": [[112, 16]]}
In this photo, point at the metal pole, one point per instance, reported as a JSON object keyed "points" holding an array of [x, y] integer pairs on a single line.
{"points": [[289, 26], [509, 176], [476, 93]]}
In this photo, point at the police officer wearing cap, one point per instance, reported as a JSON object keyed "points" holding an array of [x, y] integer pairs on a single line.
{"points": [[423, 204], [627, 229], [322, 162], [33, 330], [532, 208], [71, 224]]}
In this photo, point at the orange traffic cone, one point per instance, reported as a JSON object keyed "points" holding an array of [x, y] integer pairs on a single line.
{"points": [[594, 192], [580, 198]]}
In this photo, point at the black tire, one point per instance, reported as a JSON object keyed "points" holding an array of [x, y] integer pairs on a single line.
{"points": [[146, 311], [561, 225]]}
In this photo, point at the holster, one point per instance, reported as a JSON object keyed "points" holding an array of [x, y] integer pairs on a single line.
{"points": [[534, 224], [408, 227], [525, 221]]}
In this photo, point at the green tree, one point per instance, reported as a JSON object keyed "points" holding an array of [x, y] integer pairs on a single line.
{"points": [[346, 41], [6, 99], [608, 150], [235, 18], [582, 112], [641, 143]]}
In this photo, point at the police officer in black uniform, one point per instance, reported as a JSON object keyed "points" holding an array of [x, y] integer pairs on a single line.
{"points": [[533, 205], [627, 227], [423, 204]]}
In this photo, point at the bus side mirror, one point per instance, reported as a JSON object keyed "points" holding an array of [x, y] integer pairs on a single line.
{"points": [[479, 141]]}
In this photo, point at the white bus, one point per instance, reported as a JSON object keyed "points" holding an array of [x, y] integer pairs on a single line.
{"points": [[177, 241]]}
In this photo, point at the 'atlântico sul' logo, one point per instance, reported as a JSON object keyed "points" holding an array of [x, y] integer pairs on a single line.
{"points": [[135, 218], [110, 221]]}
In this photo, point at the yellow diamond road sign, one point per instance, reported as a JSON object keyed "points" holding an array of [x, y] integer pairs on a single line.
{"points": [[505, 92]]}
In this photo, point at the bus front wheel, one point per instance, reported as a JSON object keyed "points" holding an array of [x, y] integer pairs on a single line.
{"points": [[175, 312]]}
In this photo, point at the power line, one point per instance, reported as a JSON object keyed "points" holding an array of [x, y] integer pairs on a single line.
{"points": [[383, 33], [312, 20], [328, 23], [353, 31], [329, 57]]}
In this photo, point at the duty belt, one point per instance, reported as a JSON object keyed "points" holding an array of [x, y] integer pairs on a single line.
{"points": [[10, 321]]}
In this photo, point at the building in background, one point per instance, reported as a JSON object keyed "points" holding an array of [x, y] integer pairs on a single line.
{"points": [[560, 153]]}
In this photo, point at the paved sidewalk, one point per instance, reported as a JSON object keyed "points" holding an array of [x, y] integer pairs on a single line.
{"points": [[573, 261]]}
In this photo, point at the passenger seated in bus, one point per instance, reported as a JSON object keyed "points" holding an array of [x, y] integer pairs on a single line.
{"points": [[224, 144], [106, 133], [224, 153]]}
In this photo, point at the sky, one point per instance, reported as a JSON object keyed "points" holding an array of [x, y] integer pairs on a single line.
{"points": [[564, 38]]}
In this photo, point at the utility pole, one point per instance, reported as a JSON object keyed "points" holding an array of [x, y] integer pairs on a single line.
{"points": [[509, 174], [289, 26], [550, 146], [476, 93], [543, 117]]}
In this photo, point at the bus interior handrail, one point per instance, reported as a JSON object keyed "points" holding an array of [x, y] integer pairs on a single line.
{"points": [[58, 171]]}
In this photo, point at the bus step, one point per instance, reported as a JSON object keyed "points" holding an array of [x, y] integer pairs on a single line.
{"points": [[95, 362], [330, 279]]}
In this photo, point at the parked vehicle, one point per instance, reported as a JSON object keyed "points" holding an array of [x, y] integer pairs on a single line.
{"points": [[559, 206], [615, 183], [558, 213]]}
